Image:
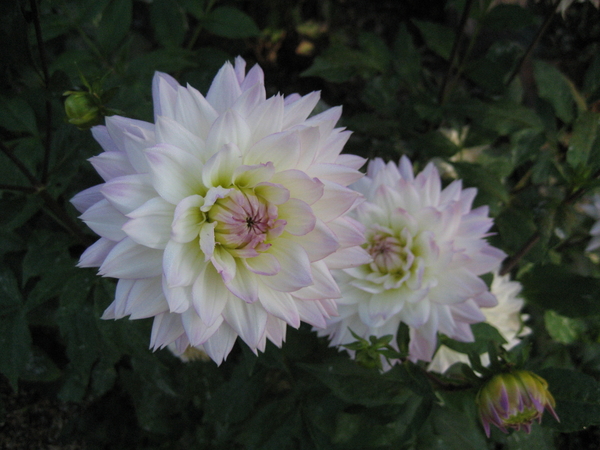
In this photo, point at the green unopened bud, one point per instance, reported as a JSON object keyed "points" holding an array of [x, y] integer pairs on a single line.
{"points": [[514, 400], [82, 109]]}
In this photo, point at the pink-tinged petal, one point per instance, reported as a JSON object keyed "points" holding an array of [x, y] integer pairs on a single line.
{"points": [[224, 263], [209, 295], [263, 264], [351, 161], [146, 299], [189, 114], [266, 118], [382, 307], [105, 220], [250, 176], [319, 243], [134, 148], [333, 145], [298, 215], [406, 170], [96, 253], [323, 287], [131, 260], [345, 258], [220, 343], [168, 131], [182, 263], [118, 125], [312, 313], [281, 149], [239, 68], [224, 89], [310, 142], [164, 94], [249, 100], [272, 193], [165, 329], [244, 284], [187, 219], [451, 192], [174, 173], [296, 112], [335, 172], [207, 239], [254, 76], [247, 320], [110, 165], [275, 330], [101, 135], [336, 200], [422, 345], [128, 192], [280, 304], [86, 198], [206, 113], [109, 312], [219, 169], [295, 271], [300, 185], [417, 314], [121, 293], [348, 231], [150, 224], [196, 330], [456, 286], [179, 298]]}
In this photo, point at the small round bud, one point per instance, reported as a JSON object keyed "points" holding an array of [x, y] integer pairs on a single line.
{"points": [[82, 110]]}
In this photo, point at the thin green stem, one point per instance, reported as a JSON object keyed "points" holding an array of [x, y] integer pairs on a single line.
{"points": [[199, 27], [14, 187]]}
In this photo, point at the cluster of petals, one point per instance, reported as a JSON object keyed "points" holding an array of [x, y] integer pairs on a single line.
{"points": [[428, 248], [224, 217], [506, 317], [592, 209]]}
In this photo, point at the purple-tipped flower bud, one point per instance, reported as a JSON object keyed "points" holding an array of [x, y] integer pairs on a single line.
{"points": [[514, 400]]}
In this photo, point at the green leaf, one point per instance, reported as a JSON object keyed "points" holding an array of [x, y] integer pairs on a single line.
{"points": [[585, 131], [230, 22], [16, 115], [556, 88], [505, 17], [376, 51], [439, 38], [484, 333], [114, 24], [563, 329], [591, 81], [406, 59], [553, 287], [168, 22], [577, 398], [490, 189]]}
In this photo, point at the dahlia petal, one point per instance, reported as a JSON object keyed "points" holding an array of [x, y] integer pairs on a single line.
{"points": [[300, 185], [250, 176], [165, 329], [263, 264], [323, 287], [206, 113], [101, 135], [174, 172], [348, 257], [382, 306], [335, 172], [96, 253], [189, 114], [348, 231], [298, 215], [181, 263], [333, 145], [170, 132], [297, 111], [456, 286], [86, 198], [295, 271], [416, 314], [336, 200], [187, 219], [239, 68], [351, 161], [282, 149], [146, 299], [196, 330], [249, 100], [244, 284], [105, 220], [164, 94], [253, 77], [224, 263], [219, 169], [179, 298], [247, 320], [207, 239], [110, 165], [150, 224], [266, 119], [131, 260], [272, 193], [220, 343], [275, 330], [310, 142], [224, 89], [312, 313], [280, 304], [209, 295], [128, 192]]}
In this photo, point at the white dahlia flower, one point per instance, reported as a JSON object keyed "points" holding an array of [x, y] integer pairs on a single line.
{"points": [[592, 209], [225, 216], [506, 317], [428, 250]]}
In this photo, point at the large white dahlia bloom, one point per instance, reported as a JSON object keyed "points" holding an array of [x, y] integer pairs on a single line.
{"points": [[506, 317], [225, 216], [428, 250]]}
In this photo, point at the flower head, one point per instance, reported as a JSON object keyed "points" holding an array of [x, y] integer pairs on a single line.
{"points": [[506, 317], [428, 249], [514, 400], [225, 216]]}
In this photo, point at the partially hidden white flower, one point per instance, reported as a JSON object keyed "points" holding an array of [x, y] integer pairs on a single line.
{"points": [[224, 217], [563, 5], [506, 317], [592, 209], [190, 354], [428, 250]]}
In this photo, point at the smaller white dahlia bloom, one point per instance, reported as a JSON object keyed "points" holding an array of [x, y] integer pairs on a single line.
{"points": [[428, 249], [224, 217], [592, 209], [506, 317]]}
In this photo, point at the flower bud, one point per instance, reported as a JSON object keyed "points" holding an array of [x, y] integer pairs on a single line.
{"points": [[82, 109], [514, 400]]}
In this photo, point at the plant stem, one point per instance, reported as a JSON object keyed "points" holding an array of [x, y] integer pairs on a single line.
{"points": [[461, 25], [13, 187], [43, 62]]}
